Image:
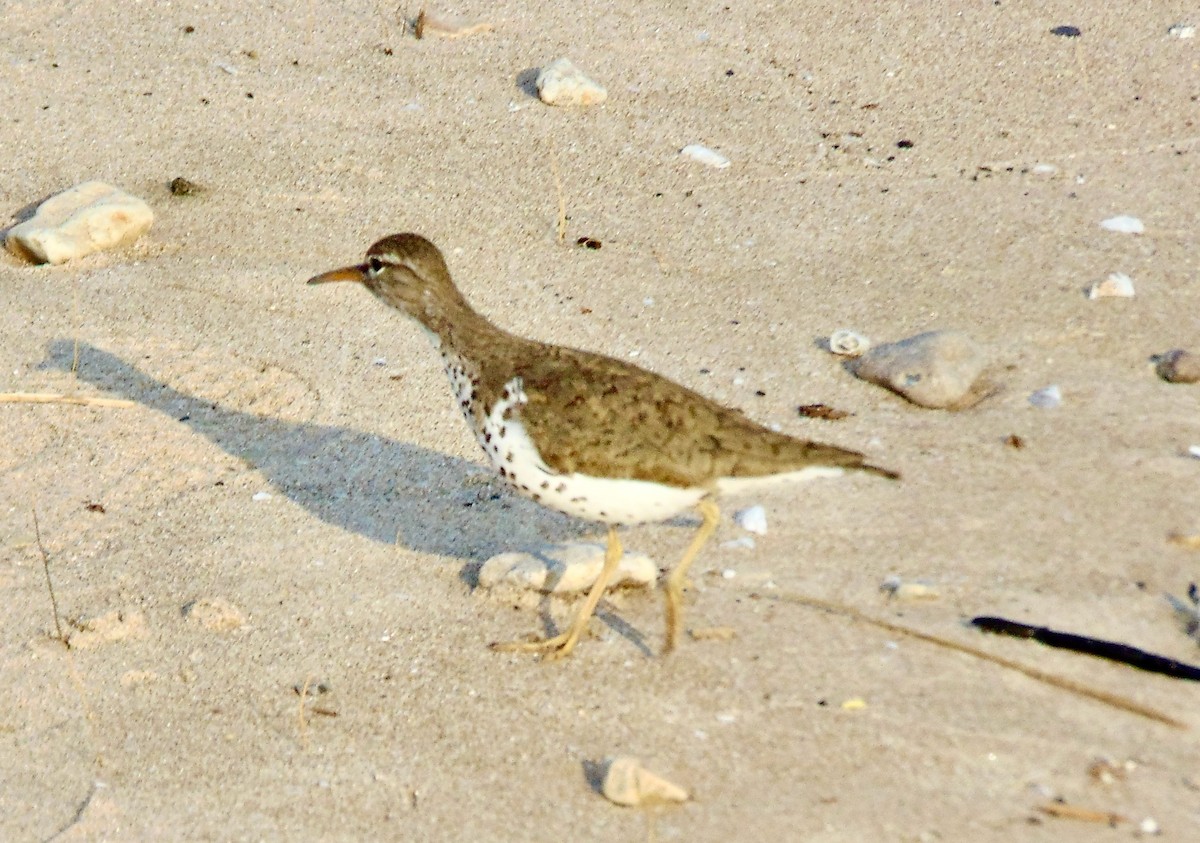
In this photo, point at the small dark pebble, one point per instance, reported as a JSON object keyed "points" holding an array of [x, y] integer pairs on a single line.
{"points": [[1014, 441], [180, 186], [588, 243], [92, 506], [188, 30], [904, 144], [1178, 366], [1066, 31]]}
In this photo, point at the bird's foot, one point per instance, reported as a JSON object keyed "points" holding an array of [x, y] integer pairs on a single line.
{"points": [[550, 649]]}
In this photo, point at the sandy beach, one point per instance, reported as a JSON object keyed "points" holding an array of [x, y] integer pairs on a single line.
{"points": [[291, 504]]}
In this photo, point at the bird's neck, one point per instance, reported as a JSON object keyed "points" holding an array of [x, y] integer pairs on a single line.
{"points": [[455, 326]]}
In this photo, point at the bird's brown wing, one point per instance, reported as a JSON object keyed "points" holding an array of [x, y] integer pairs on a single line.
{"points": [[604, 417]]}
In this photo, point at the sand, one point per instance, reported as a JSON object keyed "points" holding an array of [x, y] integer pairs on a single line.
{"points": [[294, 465]]}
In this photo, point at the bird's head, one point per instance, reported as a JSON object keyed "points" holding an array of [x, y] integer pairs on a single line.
{"points": [[405, 271]]}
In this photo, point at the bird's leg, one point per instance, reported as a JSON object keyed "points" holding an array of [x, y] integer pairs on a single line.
{"points": [[563, 643], [674, 588]]}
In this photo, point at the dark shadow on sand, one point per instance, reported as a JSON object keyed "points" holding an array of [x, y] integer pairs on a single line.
{"points": [[392, 492]]}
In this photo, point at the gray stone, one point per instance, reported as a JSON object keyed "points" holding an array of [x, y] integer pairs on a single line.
{"points": [[939, 369]]}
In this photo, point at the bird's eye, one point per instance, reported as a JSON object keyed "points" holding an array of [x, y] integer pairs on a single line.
{"points": [[375, 264]]}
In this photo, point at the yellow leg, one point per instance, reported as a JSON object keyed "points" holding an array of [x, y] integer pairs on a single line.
{"points": [[711, 515], [563, 643]]}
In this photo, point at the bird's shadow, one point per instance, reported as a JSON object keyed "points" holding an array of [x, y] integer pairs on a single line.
{"points": [[388, 491]]}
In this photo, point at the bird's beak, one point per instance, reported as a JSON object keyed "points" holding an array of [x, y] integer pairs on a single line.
{"points": [[346, 273]]}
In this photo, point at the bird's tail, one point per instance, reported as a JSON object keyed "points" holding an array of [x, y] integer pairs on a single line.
{"points": [[876, 470]]}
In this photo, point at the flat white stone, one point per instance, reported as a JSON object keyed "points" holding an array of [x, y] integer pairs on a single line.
{"points": [[1124, 224], [89, 217], [562, 83], [1047, 398], [704, 155], [627, 782], [752, 519], [1118, 285], [563, 569]]}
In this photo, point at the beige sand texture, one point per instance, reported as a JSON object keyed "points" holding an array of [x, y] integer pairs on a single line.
{"points": [[352, 575]]}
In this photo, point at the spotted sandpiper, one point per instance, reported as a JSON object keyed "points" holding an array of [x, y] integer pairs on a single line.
{"points": [[585, 434]]}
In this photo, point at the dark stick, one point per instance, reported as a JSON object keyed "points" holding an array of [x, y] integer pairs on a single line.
{"points": [[1111, 650]]}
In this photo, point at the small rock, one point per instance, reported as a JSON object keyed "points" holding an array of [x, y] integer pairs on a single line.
{"points": [[1194, 451], [215, 614], [704, 155], [854, 704], [1044, 169], [627, 782], [1182, 30], [1047, 398], [562, 83], [1178, 366], [563, 569], [1149, 827], [117, 625], [180, 186], [430, 22], [739, 543], [847, 343], [1124, 224], [261, 496], [1118, 285], [89, 217], [1067, 31], [912, 590], [938, 369], [752, 519]]}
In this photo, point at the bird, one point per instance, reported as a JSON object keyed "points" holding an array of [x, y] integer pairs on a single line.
{"points": [[586, 434]]}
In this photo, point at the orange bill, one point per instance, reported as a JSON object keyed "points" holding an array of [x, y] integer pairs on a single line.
{"points": [[346, 273]]}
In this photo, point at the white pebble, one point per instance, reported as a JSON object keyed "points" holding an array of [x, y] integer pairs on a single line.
{"points": [[262, 496], [89, 217], [1043, 169], [1124, 224], [562, 83], [847, 343], [1194, 450], [728, 574], [1149, 826], [912, 590], [1118, 285], [752, 519], [1182, 30], [704, 155], [1047, 398], [627, 782], [739, 543], [563, 569]]}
